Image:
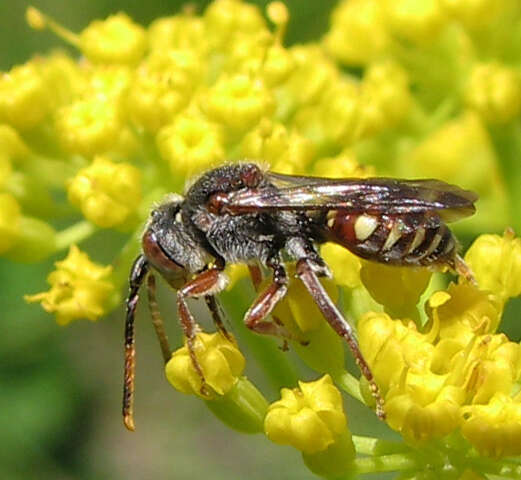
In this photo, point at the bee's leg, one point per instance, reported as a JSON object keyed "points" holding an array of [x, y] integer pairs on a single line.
{"points": [[206, 283], [256, 276], [156, 318], [463, 270], [137, 276], [306, 272], [265, 303], [217, 314]]}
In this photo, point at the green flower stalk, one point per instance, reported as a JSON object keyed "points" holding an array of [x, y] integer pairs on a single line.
{"points": [[89, 142]]}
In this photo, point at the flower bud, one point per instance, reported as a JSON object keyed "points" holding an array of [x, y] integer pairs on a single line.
{"points": [[384, 99], [310, 418], [474, 13], [495, 428], [343, 165], [24, 97], [273, 143], [221, 362], [416, 21], [390, 346], [116, 39], [358, 33], [494, 91], [410, 282], [190, 144], [107, 193], [238, 101], [79, 289], [88, 126], [496, 264], [315, 342], [344, 264], [225, 18], [177, 32], [163, 85]]}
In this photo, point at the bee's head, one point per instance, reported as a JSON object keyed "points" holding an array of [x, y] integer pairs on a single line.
{"points": [[168, 246]]}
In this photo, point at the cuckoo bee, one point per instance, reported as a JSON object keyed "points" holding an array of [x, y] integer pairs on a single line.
{"points": [[240, 213]]}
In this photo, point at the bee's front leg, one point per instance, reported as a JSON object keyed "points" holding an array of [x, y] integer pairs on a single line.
{"points": [[206, 283]]}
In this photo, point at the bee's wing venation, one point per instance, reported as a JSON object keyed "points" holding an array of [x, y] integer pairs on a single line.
{"points": [[368, 195]]}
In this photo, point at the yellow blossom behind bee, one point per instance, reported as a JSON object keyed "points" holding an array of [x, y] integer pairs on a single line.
{"points": [[107, 193], [79, 289]]}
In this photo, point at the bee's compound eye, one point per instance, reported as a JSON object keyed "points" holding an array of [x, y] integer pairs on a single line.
{"points": [[157, 256]]}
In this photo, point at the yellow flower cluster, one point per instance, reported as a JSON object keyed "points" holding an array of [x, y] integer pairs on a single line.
{"points": [[456, 372], [92, 143]]}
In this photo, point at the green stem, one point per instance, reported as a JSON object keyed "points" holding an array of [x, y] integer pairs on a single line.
{"points": [[502, 469], [375, 446], [349, 384], [74, 234], [386, 463]]}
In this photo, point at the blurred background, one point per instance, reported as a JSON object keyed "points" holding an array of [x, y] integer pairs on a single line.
{"points": [[60, 388]]}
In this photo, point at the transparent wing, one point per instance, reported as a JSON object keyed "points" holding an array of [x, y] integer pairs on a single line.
{"points": [[368, 195]]}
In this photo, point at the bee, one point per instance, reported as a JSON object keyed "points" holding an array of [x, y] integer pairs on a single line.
{"points": [[239, 213]]}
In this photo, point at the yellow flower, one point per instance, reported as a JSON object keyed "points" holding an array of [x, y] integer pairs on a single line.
{"points": [[490, 366], [238, 101], [414, 20], [313, 76], [116, 39], [25, 99], [107, 193], [10, 218], [344, 264], [64, 76], [220, 359], [277, 66], [224, 19], [79, 289], [88, 126], [494, 91], [464, 311], [496, 263], [177, 32], [384, 100], [410, 282], [339, 111], [286, 151], [344, 165], [495, 428], [190, 144], [474, 13], [358, 33], [423, 407], [162, 86], [309, 418], [390, 346]]}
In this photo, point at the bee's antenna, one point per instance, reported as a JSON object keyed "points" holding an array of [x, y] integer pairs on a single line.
{"points": [[137, 275]]}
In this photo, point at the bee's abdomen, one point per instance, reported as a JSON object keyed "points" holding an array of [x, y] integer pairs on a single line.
{"points": [[393, 239]]}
